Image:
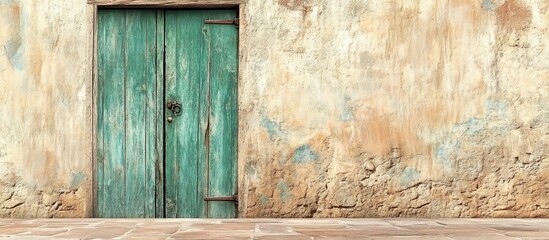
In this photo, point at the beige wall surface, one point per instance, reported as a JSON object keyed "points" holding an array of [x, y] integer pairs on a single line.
{"points": [[357, 108], [45, 108]]}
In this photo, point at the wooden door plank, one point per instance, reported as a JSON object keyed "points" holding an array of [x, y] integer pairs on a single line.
{"points": [[135, 114], [102, 38], [184, 77], [171, 164], [159, 128], [203, 111], [140, 111], [127, 115], [223, 72], [112, 123], [151, 117]]}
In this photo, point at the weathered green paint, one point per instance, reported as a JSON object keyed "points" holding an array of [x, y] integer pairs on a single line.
{"points": [[185, 73], [159, 166], [201, 66], [111, 80], [148, 167], [140, 113], [223, 59], [126, 113]]}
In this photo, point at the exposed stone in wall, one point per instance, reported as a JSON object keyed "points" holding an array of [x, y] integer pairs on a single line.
{"points": [[19, 200]]}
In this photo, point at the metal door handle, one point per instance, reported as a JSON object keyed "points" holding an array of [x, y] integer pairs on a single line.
{"points": [[175, 107]]}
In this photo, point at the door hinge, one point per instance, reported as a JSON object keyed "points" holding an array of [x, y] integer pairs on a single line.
{"points": [[235, 22], [233, 198]]}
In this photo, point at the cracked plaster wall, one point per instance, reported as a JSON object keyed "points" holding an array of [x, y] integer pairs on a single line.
{"points": [[358, 108]]}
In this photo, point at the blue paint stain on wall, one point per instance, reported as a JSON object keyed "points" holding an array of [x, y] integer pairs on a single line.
{"points": [[250, 168], [305, 154], [77, 180], [498, 116], [14, 54], [488, 5], [443, 154], [347, 114], [496, 119], [497, 108], [264, 201], [13, 47], [284, 190], [471, 127], [409, 176], [273, 128]]}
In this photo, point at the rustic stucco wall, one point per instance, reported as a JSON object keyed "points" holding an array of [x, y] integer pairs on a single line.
{"points": [[351, 108], [45, 103], [395, 108]]}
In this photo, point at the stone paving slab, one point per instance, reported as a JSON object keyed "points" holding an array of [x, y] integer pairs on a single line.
{"points": [[265, 229]]}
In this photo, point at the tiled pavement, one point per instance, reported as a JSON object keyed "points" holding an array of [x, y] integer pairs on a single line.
{"points": [[291, 229]]}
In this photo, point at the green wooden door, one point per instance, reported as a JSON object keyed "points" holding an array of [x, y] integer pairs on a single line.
{"points": [[155, 161], [201, 73]]}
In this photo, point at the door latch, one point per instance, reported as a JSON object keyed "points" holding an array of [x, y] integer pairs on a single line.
{"points": [[233, 198], [175, 107], [235, 22]]}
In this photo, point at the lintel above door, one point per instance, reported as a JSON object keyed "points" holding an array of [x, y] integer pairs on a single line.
{"points": [[168, 3]]}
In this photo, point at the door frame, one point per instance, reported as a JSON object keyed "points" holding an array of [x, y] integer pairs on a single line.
{"points": [[95, 5]]}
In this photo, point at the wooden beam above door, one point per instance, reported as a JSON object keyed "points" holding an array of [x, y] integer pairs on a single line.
{"points": [[167, 3]]}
